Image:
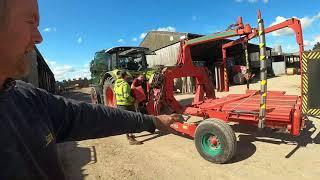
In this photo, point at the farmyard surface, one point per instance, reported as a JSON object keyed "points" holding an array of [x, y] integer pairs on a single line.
{"points": [[174, 157]]}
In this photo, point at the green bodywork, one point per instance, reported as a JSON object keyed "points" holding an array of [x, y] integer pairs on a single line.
{"points": [[107, 63], [98, 67]]}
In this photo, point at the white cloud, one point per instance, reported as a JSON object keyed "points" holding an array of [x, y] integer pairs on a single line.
{"points": [[317, 38], [46, 30], [49, 29], [305, 23], [79, 40], [134, 39], [281, 32], [64, 71], [169, 28], [120, 41], [291, 48], [51, 63], [194, 18], [252, 1], [86, 65], [61, 71], [310, 43], [142, 35], [80, 73], [307, 43]]}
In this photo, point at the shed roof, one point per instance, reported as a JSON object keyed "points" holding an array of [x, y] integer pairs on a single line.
{"points": [[155, 40]]}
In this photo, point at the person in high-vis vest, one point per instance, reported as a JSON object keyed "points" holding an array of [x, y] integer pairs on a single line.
{"points": [[125, 99]]}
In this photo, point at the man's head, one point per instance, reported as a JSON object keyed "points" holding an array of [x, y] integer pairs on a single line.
{"points": [[123, 74], [141, 77], [18, 35]]}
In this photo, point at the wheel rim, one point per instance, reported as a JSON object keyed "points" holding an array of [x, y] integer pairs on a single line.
{"points": [[211, 144], [109, 97]]}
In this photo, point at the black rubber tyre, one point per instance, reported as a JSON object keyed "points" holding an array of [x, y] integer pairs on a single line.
{"points": [[95, 96], [108, 93], [223, 136]]}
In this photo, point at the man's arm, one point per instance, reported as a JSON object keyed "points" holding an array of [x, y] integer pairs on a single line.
{"points": [[72, 120]]}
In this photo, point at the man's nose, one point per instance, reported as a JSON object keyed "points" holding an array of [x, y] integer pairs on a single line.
{"points": [[37, 37]]}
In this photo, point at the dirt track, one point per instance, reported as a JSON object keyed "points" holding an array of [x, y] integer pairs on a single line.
{"points": [[174, 157]]}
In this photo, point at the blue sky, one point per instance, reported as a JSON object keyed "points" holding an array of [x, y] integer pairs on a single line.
{"points": [[73, 30]]}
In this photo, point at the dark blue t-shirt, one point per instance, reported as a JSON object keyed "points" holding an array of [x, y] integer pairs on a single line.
{"points": [[32, 121]]}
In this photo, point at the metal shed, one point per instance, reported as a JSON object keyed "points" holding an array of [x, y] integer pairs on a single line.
{"points": [[166, 46], [40, 75]]}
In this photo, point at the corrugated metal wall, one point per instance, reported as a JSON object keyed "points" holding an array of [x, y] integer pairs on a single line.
{"points": [[40, 74], [45, 76], [279, 68], [33, 74], [166, 56]]}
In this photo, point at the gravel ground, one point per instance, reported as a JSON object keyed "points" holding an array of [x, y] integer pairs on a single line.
{"points": [[259, 155]]}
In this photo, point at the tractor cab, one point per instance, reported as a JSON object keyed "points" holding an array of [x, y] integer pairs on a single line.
{"points": [[130, 58], [107, 63]]}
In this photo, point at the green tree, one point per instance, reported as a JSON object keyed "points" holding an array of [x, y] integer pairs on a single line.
{"points": [[316, 46]]}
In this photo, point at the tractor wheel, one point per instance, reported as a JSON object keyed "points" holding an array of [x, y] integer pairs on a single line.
{"points": [[95, 96], [215, 141], [109, 97]]}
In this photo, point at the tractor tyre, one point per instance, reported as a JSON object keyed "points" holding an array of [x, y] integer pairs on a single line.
{"points": [[95, 96], [109, 97], [215, 141]]}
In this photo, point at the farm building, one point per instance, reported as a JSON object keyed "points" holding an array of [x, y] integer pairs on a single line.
{"points": [[166, 46], [40, 75], [285, 63]]}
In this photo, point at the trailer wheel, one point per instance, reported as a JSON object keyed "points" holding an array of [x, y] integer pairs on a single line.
{"points": [[95, 96], [109, 97], [215, 141]]}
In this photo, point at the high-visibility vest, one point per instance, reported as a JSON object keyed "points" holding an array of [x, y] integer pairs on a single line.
{"points": [[123, 93]]}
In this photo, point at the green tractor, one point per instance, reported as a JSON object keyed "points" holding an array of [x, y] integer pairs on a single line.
{"points": [[107, 63]]}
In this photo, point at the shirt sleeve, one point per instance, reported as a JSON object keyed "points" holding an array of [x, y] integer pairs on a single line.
{"points": [[73, 120], [136, 83]]}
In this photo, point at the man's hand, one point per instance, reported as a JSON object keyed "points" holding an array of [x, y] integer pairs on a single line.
{"points": [[163, 122]]}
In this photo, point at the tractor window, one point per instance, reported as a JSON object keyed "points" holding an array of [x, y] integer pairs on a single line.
{"points": [[131, 63], [113, 62]]}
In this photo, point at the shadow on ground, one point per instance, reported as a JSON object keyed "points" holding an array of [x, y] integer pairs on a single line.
{"points": [[253, 134], [151, 136], [74, 158], [79, 96], [245, 149]]}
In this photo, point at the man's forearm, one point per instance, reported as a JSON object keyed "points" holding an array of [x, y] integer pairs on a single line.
{"points": [[78, 121]]}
